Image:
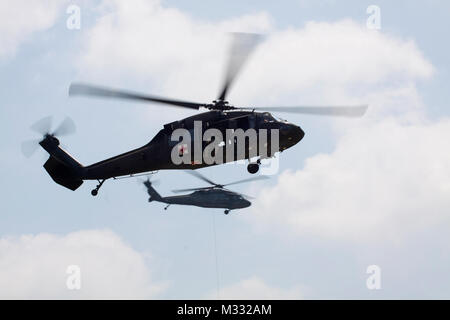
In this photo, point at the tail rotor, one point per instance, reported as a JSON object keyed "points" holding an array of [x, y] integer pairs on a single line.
{"points": [[43, 127]]}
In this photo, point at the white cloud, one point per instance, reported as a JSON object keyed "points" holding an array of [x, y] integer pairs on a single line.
{"points": [[34, 267], [164, 46], [333, 62], [388, 175], [255, 288], [383, 181], [20, 19]]}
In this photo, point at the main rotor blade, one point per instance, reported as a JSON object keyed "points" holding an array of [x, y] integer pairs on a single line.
{"points": [[341, 111], [190, 189], [242, 45], [29, 147], [200, 176], [90, 90], [42, 126], [247, 180], [65, 128]]}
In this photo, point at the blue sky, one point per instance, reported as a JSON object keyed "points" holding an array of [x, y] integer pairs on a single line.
{"points": [[353, 193]]}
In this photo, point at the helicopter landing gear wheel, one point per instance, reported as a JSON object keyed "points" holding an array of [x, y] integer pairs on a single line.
{"points": [[253, 168], [226, 211], [94, 192]]}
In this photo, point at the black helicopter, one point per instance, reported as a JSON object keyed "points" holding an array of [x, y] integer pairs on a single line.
{"points": [[215, 196], [156, 155]]}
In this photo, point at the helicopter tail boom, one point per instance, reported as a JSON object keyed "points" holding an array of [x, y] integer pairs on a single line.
{"points": [[154, 195]]}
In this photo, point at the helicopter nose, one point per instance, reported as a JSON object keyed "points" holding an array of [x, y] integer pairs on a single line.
{"points": [[292, 133], [246, 203], [299, 133]]}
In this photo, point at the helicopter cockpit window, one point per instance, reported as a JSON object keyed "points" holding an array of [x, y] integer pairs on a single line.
{"points": [[268, 117], [282, 120]]}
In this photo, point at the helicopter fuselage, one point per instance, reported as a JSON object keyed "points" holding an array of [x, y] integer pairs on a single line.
{"points": [[156, 155], [210, 198]]}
